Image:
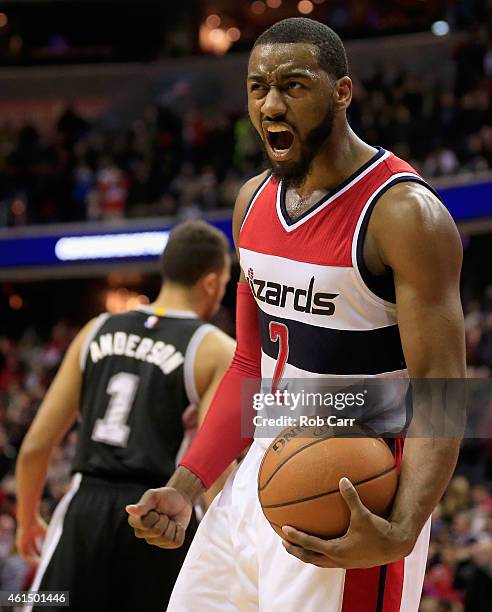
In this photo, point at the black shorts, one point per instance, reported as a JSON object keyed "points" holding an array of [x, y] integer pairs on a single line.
{"points": [[99, 559]]}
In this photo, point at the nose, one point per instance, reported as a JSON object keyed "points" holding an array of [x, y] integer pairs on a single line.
{"points": [[273, 104]]}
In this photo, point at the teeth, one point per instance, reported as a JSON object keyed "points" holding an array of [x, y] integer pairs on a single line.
{"points": [[276, 128]]}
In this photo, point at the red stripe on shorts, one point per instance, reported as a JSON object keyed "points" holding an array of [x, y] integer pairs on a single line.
{"points": [[377, 589], [360, 593], [394, 586]]}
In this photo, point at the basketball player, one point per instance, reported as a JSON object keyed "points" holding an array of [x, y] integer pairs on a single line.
{"points": [[350, 267], [130, 376]]}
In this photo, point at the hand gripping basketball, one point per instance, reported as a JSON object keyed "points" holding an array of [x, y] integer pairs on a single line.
{"points": [[161, 517]]}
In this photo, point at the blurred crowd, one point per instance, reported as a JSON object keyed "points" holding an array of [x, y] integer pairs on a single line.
{"points": [[443, 127], [459, 574], [27, 367], [459, 567], [182, 163]]}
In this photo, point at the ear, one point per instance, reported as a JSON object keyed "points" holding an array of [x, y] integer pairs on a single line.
{"points": [[209, 282], [343, 93]]}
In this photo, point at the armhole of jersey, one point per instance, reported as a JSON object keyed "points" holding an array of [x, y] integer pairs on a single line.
{"points": [[189, 361], [254, 197], [380, 287], [101, 319]]}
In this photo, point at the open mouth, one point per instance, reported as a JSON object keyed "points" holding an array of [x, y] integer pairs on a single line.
{"points": [[280, 138]]}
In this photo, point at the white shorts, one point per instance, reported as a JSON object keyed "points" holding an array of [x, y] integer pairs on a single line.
{"points": [[237, 563]]}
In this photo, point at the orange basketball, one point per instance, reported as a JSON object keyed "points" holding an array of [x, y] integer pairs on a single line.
{"points": [[299, 475]]}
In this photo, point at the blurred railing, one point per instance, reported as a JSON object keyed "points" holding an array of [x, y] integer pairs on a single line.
{"points": [[96, 248]]}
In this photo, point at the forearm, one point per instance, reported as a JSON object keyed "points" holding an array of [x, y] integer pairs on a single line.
{"points": [[187, 483], [431, 449], [427, 466], [30, 474]]}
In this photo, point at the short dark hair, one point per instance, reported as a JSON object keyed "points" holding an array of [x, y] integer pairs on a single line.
{"points": [[330, 50], [194, 249]]}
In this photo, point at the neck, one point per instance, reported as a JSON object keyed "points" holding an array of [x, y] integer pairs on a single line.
{"points": [[341, 156], [175, 297]]}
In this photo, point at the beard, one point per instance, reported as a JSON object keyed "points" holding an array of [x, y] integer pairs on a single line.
{"points": [[293, 174]]}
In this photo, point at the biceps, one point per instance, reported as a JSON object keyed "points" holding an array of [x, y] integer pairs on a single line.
{"points": [[430, 321]]}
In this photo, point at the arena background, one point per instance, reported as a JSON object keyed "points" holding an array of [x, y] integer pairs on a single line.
{"points": [[118, 119]]}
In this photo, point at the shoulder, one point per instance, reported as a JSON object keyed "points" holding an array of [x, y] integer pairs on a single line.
{"points": [[80, 345], [250, 186], [243, 199], [216, 346], [410, 215], [213, 357], [89, 328], [410, 202], [75, 355]]}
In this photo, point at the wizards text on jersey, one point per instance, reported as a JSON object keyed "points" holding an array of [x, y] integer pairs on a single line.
{"points": [[303, 300]]}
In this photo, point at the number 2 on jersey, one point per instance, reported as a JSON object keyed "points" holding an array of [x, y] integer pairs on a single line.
{"points": [[279, 333], [112, 429]]}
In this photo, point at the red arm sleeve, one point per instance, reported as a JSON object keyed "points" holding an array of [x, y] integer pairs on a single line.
{"points": [[219, 440]]}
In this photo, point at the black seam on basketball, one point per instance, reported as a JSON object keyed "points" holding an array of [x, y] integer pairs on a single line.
{"points": [[300, 450], [311, 497]]}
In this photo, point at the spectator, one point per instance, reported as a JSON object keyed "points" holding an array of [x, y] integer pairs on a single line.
{"points": [[479, 591]]}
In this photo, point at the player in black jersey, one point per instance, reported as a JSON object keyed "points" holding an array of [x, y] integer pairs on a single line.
{"points": [[130, 376]]}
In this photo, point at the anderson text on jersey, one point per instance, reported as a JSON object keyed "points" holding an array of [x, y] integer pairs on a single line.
{"points": [[164, 356]]}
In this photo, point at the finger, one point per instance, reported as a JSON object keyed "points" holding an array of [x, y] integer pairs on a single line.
{"points": [[28, 555], [135, 522], [303, 539], [151, 529], [307, 556], [37, 547], [145, 504], [159, 529], [333, 549], [29, 548], [351, 498], [150, 538], [171, 530], [180, 535], [162, 543], [173, 537], [141, 534], [150, 519]]}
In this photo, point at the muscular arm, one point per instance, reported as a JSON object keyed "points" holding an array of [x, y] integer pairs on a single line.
{"points": [[411, 232], [419, 241], [53, 419]]}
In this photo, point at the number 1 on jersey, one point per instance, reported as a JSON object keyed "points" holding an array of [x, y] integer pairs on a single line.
{"points": [[112, 429], [279, 333]]}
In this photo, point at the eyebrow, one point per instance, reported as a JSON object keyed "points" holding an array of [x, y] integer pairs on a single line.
{"points": [[294, 74], [297, 74]]}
